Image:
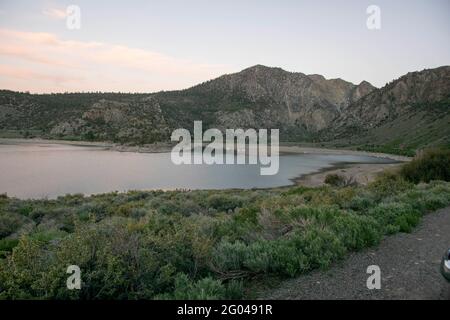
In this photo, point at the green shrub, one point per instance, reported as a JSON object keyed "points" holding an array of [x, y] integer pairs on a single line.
{"points": [[203, 289], [47, 235], [357, 231], [395, 217], [234, 290], [21, 271], [426, 198], [321, 247], [287, 259], [9, 223], [229, 256], [224, 202], [6, 246], [433, 164], [258, 257], [335, 180], [388, 184], [361, 202]]}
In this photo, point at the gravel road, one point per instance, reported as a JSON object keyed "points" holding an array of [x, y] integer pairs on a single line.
{"points": [[409, 266]]}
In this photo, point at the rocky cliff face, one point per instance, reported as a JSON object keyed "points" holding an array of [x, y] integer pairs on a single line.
{"points": [[281, 97]]}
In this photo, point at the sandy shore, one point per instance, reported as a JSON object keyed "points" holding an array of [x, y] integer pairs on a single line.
{"points": [[361, 173], [150, 148], [296, 149]]}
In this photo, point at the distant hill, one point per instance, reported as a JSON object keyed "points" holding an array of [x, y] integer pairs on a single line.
{"points": [[408, 113]]}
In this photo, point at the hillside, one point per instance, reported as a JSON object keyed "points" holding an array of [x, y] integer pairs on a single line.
{"points": [[408, 113]]}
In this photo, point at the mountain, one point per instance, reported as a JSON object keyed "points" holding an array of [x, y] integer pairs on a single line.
{"points": [[408, 113], [304, 107], [269, 97]]}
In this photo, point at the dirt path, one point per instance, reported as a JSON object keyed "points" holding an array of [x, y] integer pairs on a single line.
{"points": [[409, 268]]}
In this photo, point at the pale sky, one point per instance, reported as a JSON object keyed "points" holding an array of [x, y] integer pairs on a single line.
{"points": [[147, 46]]}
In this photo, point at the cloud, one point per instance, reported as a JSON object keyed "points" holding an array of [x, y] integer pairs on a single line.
{"points": [[26, 74], [55, 13], [97, 65]]}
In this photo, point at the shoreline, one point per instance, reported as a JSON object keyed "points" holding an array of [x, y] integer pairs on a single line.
{"points": [[312, 150], [167, 147], [362, 173], [154, 148]]}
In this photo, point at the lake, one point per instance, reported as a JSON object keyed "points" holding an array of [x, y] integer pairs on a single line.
{"points": [[50, 170]]}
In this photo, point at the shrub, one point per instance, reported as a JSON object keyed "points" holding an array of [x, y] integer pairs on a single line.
{"points": [[321, 247], [47, 235], [334, 180], [20, 272], [229, 256], [395, 217], [224, 202], [234, 290], [337, 180], [433, 164], [287, 259], [357, 231], [388, 184], [9, 223], [426, 198], [203, 289], [6, 246], [258, 257], [361, 202]]}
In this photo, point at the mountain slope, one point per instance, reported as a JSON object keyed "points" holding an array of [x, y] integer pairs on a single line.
{"points": [[87, 116], [408, 113], [271, 97]]}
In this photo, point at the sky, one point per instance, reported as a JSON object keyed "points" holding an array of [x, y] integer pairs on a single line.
{"points": [[147, 46]]}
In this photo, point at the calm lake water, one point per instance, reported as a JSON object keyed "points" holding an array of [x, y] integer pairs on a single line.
{"points": [[50, 170]]}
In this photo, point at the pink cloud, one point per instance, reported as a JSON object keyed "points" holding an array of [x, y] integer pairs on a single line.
{"points": [[55, 13], [25, 74], [118, 66]]}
